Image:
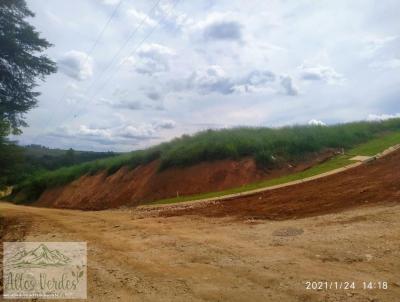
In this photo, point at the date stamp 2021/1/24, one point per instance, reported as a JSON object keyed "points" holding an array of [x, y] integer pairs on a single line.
{"points": [[346, 285]]}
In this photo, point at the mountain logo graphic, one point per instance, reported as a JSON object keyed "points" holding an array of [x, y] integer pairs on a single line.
{"points": [[41, 256]]}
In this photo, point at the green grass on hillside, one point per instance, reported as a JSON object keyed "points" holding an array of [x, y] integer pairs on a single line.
{"points": [[370, 148], [269, 147]]}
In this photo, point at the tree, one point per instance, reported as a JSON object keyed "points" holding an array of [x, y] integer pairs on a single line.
{"points": [[21, 66], [69, 157], [21, 63], [10, 157]]}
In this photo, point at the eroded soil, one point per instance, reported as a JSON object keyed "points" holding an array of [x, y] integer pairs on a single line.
{"points": [[146, 183], [371, 183]]}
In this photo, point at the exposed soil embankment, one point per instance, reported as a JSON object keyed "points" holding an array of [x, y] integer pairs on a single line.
{"points": [[374, 182], [145, 183]]}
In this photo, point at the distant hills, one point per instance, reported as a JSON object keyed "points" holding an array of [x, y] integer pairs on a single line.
{"points": [[36, 159], [50, 159]]}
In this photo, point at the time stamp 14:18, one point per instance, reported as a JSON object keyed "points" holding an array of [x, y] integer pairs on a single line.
{"points": [[345, 285]]}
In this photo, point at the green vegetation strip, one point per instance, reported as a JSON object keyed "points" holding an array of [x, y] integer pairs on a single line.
{"points": [[268, 146], [370, 148]]}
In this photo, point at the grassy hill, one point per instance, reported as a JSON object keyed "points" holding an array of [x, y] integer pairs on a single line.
{"points": [[270, 147], [369, 148]]}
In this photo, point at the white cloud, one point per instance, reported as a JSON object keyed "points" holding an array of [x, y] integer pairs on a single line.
{"points": [[76, 64], [382, 117], [386, 64], [86, 131], [151, 58], [211, 79], [376, 43], [320, 73], [259, 77], [171, 17], [126, 134], [139, 17], [165, 124], [138, 132], [214, 79], [255, 80], [144, 131], [71, 86], [315, 122], [111, 2]]}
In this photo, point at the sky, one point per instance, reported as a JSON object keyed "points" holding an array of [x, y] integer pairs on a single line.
{"points": [[135, 73]]}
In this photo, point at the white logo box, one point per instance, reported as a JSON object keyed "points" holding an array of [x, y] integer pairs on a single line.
{"points": [[45, 270]]}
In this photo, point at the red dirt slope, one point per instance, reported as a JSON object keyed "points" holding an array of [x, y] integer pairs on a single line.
{"points": [[368, 184], [145, 184]]}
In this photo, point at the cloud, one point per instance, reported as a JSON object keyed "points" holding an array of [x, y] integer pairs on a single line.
{"points": [[76, 64], [214, 79], [126, 134], [154, 95], [320, 73], [165, 124], [151, 59], [259, 77], [144, 131], [386, 64], [171, 17], [124, 99], [139, 17], [382, 117], [131, 105], [111, 2], [288, 86], [314, 122], [254, 80], [220, 27], [211, 79], [86, 131], [375, 44]]}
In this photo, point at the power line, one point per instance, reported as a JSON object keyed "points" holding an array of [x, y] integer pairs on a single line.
{"points": [[96, 42], [105, 27], [116, 55], [132, 34], [132, 53]]}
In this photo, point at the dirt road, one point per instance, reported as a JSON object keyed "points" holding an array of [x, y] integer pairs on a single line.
{"points": [[193, 258]]}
